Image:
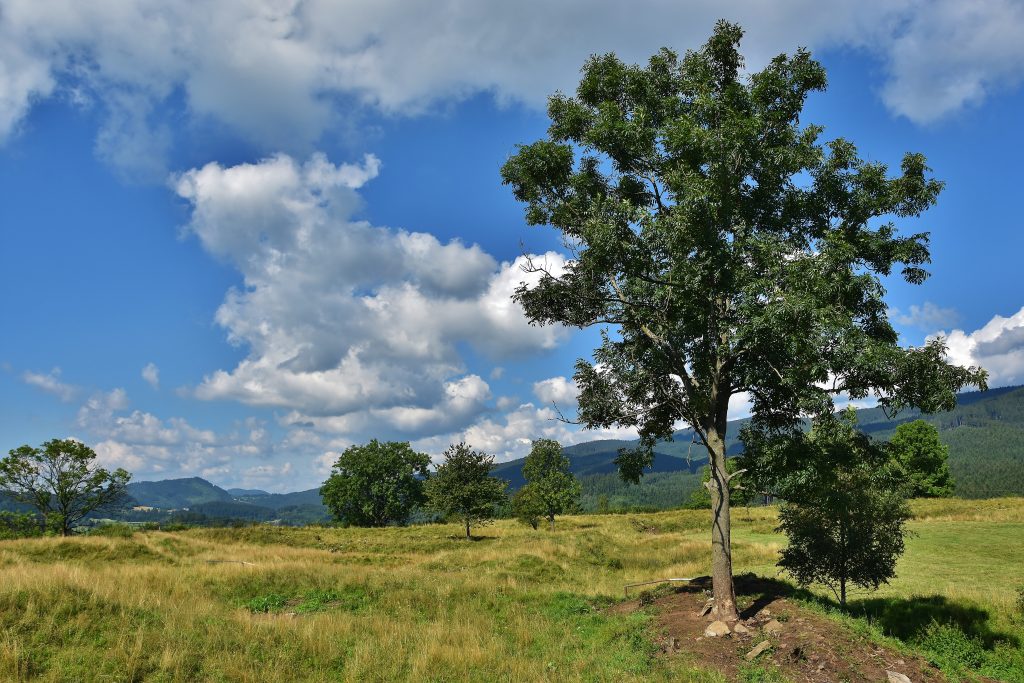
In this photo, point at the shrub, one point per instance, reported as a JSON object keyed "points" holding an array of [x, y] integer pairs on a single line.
{"points": [[18, 525]]}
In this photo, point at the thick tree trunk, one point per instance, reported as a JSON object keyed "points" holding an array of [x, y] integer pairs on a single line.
{"points": [[721, 530]]}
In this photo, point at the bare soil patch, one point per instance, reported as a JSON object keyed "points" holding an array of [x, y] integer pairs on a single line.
{"points": [[806, 647]]}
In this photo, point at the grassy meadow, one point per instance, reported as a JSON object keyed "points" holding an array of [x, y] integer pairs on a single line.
{"points": [[324, 604]]}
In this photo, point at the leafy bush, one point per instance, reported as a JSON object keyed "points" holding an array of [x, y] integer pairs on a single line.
{"points": [[18, 525]]}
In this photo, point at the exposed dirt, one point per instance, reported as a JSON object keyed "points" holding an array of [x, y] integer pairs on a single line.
{"points": [[809, 648]]}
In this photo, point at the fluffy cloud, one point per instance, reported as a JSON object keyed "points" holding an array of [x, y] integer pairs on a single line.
{"points": [[998, 347], [51, 384], [280, 73], [561, 391], [151, 373], [950, 54], [927, 316], [245, 454], [509, 435], [348, 324]]}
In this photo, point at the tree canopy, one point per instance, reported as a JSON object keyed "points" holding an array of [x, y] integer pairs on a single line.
{"points": [[376, 484], [725, 248], [62, 480], [922, 459], [552, 484], [463, 488]]}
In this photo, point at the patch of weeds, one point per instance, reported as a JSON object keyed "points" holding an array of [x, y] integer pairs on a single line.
{"points": [[1020, 600], [350, 599], [594, 550], [266, 603], [754, 673], [73, 550]]}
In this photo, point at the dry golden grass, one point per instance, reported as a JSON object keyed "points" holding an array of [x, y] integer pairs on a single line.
{"points": [[411, 603]]}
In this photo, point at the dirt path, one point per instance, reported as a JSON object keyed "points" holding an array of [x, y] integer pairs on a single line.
{"points": [[806, 647]]}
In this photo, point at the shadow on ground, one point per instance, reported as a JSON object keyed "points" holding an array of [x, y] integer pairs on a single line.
{"points": [[907, 619]]}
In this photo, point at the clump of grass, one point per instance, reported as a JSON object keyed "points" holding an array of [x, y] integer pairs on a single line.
{"points": [[113, 531], [756, 673], [266, 603]]}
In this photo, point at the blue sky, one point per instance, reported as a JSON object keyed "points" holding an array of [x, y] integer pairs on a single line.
{"points": [[238, 239]]}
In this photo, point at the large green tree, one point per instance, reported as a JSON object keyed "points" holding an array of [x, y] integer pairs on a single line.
{"points": [[62, 481], [922, 459], [376, 484], [724, 248], [463, 488], [546, 471]]}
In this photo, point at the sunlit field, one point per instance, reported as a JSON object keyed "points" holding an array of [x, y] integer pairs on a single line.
{"points": [[419, 603]]}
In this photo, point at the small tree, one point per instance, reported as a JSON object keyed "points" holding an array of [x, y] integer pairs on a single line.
{"points": [[463, 487], [547, 471], [61, 480], [921, 458], [527, 506], [845, 511], [376, 484]]}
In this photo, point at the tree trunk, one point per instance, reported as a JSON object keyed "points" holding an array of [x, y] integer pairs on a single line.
{"points": [[842, 593], [721, 530], [468, 537], [551, 519]]}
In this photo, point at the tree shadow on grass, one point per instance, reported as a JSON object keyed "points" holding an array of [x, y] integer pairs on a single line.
{"points": [[474, 539], [907, 619]]}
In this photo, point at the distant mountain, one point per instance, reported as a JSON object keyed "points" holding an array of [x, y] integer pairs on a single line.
{"points": [[276, 501], [177, 493], [252, 493], [985, 435]]}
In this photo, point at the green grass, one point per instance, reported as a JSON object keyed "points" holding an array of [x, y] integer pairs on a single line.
{"points": [[418, 603]]}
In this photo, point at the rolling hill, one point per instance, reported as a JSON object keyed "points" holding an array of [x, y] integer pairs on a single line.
{"points": [[985, 435]]}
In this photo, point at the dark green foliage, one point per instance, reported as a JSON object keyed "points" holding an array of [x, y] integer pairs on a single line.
{"points": [[376, 484], [845, 512], [527, 506], [689, 190], [551, 483], [738, 493], [62, 481], [463, 488], [19, 525], [922, 460]]}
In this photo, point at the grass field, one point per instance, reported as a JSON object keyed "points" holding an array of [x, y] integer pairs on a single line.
{"points": [[418, 603]]}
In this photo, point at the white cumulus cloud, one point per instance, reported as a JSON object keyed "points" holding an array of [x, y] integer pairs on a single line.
{"points": [[998, 346], [151, 373], [51, 383], [349, 324], [281, 73]]}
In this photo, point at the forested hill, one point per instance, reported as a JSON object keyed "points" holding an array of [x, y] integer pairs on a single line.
{"points": [[985, 435]]}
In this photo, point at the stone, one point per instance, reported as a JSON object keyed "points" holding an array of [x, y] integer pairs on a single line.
{"points": [[759, 649], [773, 627], [741, 629], [765, 612], [716, 629], [706, 608], [896, 677]]}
